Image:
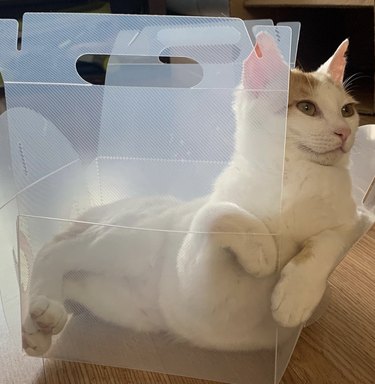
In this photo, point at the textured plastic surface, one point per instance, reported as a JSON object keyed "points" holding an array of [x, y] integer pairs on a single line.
{"points": [[68, 145], [256, 26], [363, 176]]}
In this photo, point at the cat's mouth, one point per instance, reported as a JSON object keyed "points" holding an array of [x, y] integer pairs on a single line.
{"points": [[338, 149], [325, 157]]}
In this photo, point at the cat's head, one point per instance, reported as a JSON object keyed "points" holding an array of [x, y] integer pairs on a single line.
{"points": [[321, 115], [322, 118]]}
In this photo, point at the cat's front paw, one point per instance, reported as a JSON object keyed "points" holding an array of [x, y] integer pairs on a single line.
{"points": [[45, 318], [295, 296], [239, 233], [257, 255]]}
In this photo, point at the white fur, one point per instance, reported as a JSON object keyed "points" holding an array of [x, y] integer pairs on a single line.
{"points": [[213, 285]]}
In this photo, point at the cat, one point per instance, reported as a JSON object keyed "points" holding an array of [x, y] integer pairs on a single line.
{"points": [[214, 285]]}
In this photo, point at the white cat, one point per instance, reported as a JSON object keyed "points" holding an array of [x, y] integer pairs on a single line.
{"points": [[212, 286]]}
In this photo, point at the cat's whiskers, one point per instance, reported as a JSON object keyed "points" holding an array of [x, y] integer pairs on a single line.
{"points": [[351, 78], [350, 83]]}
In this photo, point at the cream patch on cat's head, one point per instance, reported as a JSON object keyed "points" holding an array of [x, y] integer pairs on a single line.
{"points": [[322, 120]]}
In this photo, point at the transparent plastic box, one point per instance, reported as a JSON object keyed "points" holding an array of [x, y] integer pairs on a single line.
{"points": [[156, 128]]}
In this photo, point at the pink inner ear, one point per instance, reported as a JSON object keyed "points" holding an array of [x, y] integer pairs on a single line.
{"points": [[253, 76], [337, 72], [258, 50], [335, 66], [263, 64]]}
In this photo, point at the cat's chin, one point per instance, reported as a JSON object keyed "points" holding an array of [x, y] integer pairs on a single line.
{"points": [[327, 158]]}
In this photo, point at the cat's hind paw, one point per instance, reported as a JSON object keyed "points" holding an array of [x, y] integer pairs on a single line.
{"points": [[37, 343], [49, 315], [45, 318]]}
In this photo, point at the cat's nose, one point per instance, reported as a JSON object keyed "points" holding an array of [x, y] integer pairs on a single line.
{"points": [[343, 132]]}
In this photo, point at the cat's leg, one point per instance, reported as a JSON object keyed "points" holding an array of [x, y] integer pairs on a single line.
{"points": [[213, 282], [117, 300], [227, 226], [82, 250], [303, 280], [46, 314]]}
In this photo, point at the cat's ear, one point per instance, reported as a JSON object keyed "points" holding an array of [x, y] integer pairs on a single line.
{"points": [[335, 65], [263, 64]]}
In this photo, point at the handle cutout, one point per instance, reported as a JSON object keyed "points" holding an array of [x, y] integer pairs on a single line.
{"points": [[140, 71]]}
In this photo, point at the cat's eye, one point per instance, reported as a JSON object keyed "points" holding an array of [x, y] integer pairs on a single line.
{"points": [[307, 107], [348, 110]]}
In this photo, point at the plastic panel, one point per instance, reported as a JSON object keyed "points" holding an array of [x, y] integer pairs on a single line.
{"points": [[362, 176], [256, 26], [74, 145]]}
